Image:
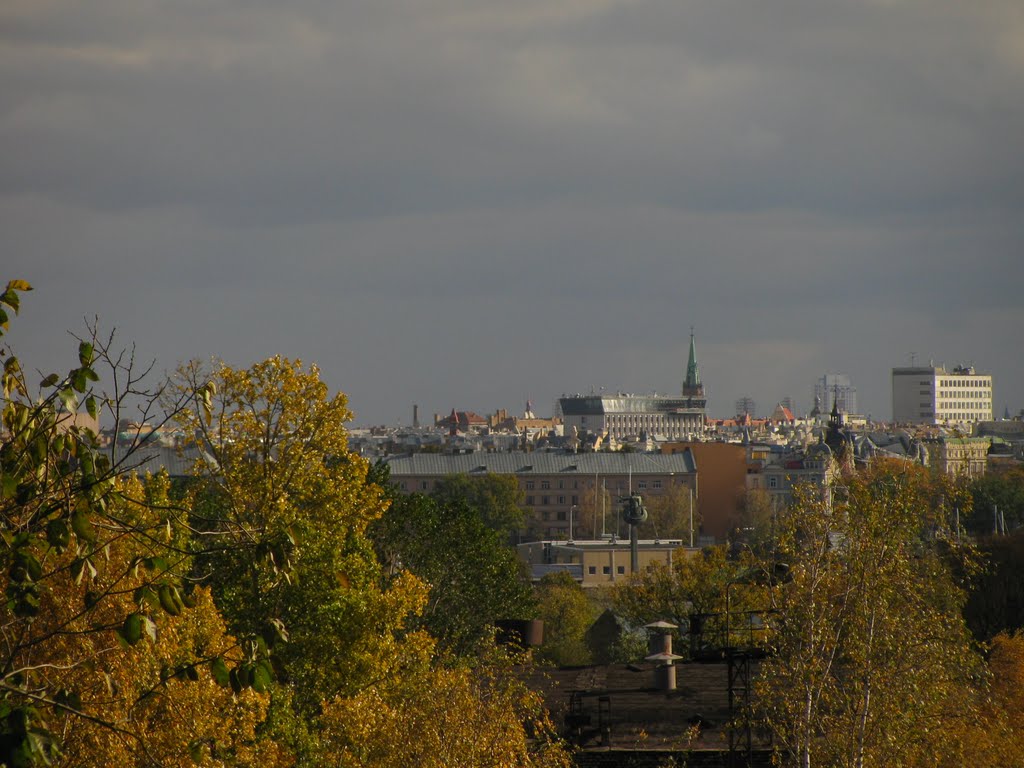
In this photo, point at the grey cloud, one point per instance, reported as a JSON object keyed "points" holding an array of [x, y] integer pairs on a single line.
{"points": [[469, 202]]}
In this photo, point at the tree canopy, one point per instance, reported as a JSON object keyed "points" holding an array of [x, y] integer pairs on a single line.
{"points": [[497, 499], [282, 510], [474, 577], [567, 613], [236, 621], [100, 624], [871, 653], [997, 502]]}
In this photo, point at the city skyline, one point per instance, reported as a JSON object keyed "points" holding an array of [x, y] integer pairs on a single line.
{"points": [[471, 204]]}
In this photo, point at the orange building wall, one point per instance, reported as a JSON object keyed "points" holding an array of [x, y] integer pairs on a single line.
{"points": [[721, 484]]}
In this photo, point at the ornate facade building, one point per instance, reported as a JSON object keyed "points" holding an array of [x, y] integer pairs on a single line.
{"points": [[627, 416]]}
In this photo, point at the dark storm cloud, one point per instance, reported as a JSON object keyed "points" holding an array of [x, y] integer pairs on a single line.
{"points": [[468, 202]]}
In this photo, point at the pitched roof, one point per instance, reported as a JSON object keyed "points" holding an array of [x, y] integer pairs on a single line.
{"points": [[542, 463]]}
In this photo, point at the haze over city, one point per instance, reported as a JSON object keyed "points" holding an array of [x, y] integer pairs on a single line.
{"points": [[469, 204]]}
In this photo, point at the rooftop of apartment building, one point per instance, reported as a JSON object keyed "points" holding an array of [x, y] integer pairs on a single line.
{"points": [[542, 463]]}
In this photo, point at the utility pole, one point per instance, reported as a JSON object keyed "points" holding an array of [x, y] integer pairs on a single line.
{"points": [[691, 518]]}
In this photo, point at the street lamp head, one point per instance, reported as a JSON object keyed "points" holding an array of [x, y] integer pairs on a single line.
{"points": [[633, 510]]}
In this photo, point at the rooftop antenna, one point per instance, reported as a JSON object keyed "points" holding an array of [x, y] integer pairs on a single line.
{"points": [[913, 357]]}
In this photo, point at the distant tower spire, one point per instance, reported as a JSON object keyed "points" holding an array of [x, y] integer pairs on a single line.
{"points": [[691, 385]]}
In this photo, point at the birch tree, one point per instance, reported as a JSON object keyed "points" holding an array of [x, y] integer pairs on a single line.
{"points": [[871, 654]]}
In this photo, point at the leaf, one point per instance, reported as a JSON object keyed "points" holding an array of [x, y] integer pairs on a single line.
{"points": [[275, 632], [220, 672], [131, 630], [18, 285], [149, 627], [156, 564], [32, 565], [90, 406], [68, 399], [50, 380], [262, 677], [85, 352], [69, 699], [10, 298], [169, 600], [9, 486], [27, 604], [144, 596], [58, 535], [82, 525]]}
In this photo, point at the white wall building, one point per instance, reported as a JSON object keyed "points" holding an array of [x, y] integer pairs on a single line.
{"points": [[626, 416], [933, 395]]}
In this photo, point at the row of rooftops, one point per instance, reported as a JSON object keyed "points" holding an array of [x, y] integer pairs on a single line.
{"points": [[901, 444]]}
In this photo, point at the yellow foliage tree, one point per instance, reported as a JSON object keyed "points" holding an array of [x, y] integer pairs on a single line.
{"points": [[694, 584], [281, 507], [439, 717], [91, 566], [131, 683], [872, 663]]}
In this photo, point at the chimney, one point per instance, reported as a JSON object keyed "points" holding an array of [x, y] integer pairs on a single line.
{"points": [[660, 647], [415, 416]]}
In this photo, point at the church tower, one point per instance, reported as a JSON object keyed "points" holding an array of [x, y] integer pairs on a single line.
{"points": [[692, 386]]}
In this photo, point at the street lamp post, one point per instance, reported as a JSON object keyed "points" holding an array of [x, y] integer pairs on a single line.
{"points": [[571, 510], [633, 512]]}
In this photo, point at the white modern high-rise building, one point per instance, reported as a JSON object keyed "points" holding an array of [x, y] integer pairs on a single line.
{"points": [[835, 388], [933, 395]]}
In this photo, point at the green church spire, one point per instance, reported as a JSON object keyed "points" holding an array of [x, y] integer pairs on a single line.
{"points": [[692, 385]]}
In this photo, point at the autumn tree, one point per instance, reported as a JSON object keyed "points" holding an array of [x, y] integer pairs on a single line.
{"points": [[94, 568], [474, 577], [282, 509], [158, 688], [990, 734], [497, 499], [567, 613], [283, 512], [448, 717], [871, 653], [995, 600], [670, 513], [997, 502], [597, 512], [699, 583]]}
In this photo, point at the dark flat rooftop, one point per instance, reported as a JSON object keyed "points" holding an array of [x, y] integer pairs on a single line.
{"points": [[640, 717]]}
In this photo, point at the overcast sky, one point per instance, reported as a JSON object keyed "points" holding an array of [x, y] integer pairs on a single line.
{"points": [[468, 203]]}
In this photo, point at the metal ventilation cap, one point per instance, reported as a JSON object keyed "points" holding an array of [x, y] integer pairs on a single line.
{"points": [[662, 624]]}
